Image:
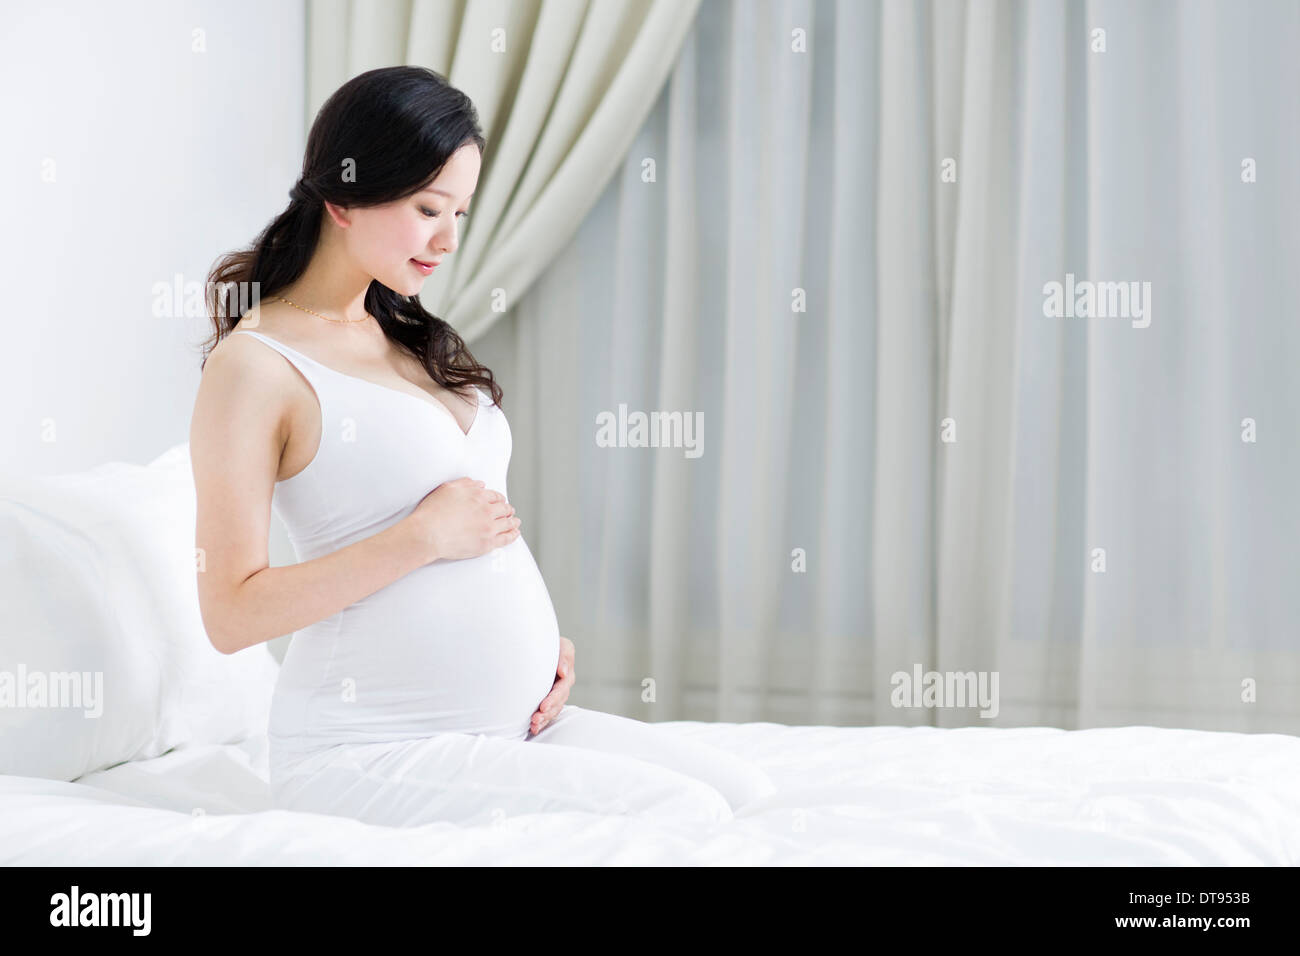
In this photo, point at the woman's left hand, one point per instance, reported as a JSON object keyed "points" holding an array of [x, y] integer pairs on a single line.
{"points": [[549, 707]]}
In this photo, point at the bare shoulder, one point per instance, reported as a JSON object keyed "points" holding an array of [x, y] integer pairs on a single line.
{"points": [[243, 360], [245, 384]]}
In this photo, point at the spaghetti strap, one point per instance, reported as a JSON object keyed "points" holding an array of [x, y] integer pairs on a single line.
{"points": [[292, 354]]}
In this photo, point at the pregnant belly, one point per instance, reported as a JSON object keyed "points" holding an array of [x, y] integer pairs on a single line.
{"points": [[467, 646]]}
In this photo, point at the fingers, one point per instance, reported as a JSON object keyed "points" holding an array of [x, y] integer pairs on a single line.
{"points": [[497, 498], [552, 702], [509, 532], [544, 716], [549, 708]]}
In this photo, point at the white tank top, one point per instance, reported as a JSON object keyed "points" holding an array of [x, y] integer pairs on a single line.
{"points": [[466, 645]]}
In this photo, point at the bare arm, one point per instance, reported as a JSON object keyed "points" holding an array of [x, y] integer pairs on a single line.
{"points": [[239, 430]]}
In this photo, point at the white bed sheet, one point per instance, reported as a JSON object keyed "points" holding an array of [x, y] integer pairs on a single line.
{"points": [[861, 795]]}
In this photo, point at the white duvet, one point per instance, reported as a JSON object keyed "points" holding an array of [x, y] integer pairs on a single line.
{"points": [[864, 795]]}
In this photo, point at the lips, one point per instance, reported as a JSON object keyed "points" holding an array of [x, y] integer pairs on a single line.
{"points": [[425, 267]]}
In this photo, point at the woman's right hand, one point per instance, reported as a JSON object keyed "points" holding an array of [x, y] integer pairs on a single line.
{"points": [[463, 519]]}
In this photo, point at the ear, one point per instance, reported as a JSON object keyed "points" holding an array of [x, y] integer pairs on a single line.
{"points": [[339, 214]]}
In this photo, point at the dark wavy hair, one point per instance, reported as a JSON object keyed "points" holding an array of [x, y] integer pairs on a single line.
{"points": [[398, 126]]}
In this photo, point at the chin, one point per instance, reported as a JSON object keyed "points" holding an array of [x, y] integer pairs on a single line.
{"points": [[408, 285]]}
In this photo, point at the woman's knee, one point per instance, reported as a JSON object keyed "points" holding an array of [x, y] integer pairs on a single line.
{"points": [[737, 780], [677, 797]]}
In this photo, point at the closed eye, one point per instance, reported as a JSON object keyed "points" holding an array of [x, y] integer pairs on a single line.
{"points": [[433, 213]]}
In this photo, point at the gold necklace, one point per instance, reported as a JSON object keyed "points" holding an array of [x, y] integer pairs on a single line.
{"points": [[325, 317]]}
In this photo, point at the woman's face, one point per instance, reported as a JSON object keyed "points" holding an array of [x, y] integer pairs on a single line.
{"points": [[386, 241]]}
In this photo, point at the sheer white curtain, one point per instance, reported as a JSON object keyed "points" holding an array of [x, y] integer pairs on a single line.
{"points": [[922, 469]]}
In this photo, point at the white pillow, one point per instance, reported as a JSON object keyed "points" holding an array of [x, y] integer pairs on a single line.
{"points": [[98, 578]]}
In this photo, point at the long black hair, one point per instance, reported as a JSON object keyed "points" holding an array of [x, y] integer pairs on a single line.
{"points": [[395, 128]]}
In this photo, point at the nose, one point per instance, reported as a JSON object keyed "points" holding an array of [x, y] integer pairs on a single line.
{"points": [[445, 240]]}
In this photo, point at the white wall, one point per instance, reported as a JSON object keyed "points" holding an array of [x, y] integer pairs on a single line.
{"points": [[163, 158]]}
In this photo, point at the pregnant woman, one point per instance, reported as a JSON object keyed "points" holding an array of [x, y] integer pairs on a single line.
{"points": [[426, 679]]}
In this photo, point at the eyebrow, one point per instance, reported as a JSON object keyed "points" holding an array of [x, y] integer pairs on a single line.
{"points": [[440, 192]]}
